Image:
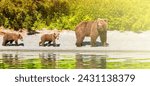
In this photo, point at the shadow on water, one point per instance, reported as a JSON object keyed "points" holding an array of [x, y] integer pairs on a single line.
{"points": [[45, 60], [97, 43]]}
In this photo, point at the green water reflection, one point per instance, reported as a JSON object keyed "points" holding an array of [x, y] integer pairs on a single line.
{"points": [[71, 61]]}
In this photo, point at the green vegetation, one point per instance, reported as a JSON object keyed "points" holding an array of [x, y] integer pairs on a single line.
{"points": [[124, 65], [66, 14], [128, 63]]}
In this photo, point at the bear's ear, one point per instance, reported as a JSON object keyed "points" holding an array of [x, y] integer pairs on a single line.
{"points": [[20, 36], [54, 34], [106, 20], [20, 30]]}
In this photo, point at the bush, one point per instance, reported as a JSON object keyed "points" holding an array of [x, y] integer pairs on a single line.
{"points": [[66, 14], [31, 14]]}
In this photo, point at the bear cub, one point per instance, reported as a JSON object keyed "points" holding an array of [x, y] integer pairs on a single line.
{"points": [[10, 37], [49, 38]]}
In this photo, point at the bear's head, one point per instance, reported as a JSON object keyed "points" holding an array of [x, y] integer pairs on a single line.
{"points": [[20, 37], [56, 35], [102, 24]]}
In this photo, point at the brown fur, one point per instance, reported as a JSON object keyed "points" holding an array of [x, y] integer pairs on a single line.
{"points": [[91, 29], [50, 38], [2, 33], [10, 37]]}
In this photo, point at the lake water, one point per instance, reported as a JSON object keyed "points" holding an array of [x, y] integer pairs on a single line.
{"points": [[58, 60]]}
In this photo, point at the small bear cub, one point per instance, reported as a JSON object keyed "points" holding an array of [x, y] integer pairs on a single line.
{"points": [[49, 38]]}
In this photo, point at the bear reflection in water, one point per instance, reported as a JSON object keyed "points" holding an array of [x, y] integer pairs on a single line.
{"points": [[48, 61], [53, 61], [11, 61], [90, 61]]}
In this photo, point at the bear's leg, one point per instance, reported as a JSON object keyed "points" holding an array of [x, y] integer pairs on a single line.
{"points": [[4, 42], [42, 43], [49, 43], [54, 43], [93, 41], [16, 42], [10, 42], [103, 38], [79, 41]]}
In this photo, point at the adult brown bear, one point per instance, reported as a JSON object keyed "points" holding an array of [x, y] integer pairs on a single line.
{"points": [[10, 37], [92, 29], [49, 38]]}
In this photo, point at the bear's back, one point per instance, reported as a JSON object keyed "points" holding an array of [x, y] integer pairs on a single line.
{"points": [[11, 36]]}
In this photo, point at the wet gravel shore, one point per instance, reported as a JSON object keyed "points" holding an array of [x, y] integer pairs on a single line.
{"points": [[117, 41]]}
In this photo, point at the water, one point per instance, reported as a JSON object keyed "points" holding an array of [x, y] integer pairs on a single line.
{"points": [[53, 60]]}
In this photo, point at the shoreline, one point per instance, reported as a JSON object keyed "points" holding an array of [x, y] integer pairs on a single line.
{"points": [[73, 50], [117, 42]]}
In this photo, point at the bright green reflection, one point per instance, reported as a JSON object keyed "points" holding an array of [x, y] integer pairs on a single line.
{"points": [[78, 61]]}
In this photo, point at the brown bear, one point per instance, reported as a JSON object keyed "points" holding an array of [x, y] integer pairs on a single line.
{"points": [[10, 37], [49, 38], [92, 29]]}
